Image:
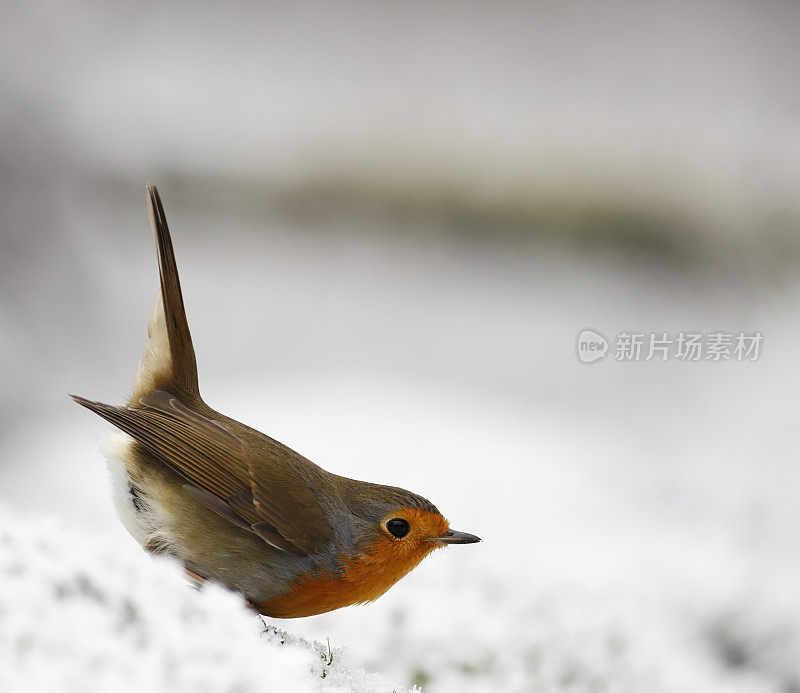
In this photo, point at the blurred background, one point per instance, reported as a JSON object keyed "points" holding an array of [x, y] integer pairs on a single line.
{"points": [[392, 221]]}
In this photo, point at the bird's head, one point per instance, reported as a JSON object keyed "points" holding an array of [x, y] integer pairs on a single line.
{"points": [[412, 530], [383, 532], [397, 529]]}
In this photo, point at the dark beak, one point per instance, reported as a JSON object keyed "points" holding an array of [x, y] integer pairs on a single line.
{"points": [[454, 537]]}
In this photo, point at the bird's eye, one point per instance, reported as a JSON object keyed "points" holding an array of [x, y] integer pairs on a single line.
{"points": [[398, 527]]}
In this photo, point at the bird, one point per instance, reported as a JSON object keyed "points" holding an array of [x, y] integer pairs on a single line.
{"points": [[236, 507]]}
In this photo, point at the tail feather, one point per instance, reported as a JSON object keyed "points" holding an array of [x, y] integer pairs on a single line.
{"points": [[168, 362]]}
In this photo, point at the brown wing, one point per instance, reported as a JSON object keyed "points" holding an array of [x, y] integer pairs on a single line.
{"points": [[261, 492]]}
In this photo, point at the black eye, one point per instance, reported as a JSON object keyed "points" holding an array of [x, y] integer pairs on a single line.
{"points": [[398, 527]]}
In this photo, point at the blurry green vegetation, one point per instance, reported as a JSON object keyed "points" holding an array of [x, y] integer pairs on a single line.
{"points": [[577, 213]]}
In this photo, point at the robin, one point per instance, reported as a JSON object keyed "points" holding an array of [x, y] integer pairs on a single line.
{"points": [[239, 508]]}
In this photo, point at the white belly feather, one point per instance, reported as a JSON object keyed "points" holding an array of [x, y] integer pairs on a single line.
{"points": [[140, 514]]}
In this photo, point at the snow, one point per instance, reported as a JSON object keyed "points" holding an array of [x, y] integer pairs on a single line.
{"points": [[78, 615]]}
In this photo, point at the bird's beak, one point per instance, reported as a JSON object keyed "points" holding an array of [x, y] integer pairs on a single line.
{"points": [[454, 537]]}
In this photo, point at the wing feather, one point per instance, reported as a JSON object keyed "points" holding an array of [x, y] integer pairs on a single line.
{"points": [[267, 494]]}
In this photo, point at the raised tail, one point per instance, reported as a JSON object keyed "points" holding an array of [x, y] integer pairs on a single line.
{"points": [[168, 362]]}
